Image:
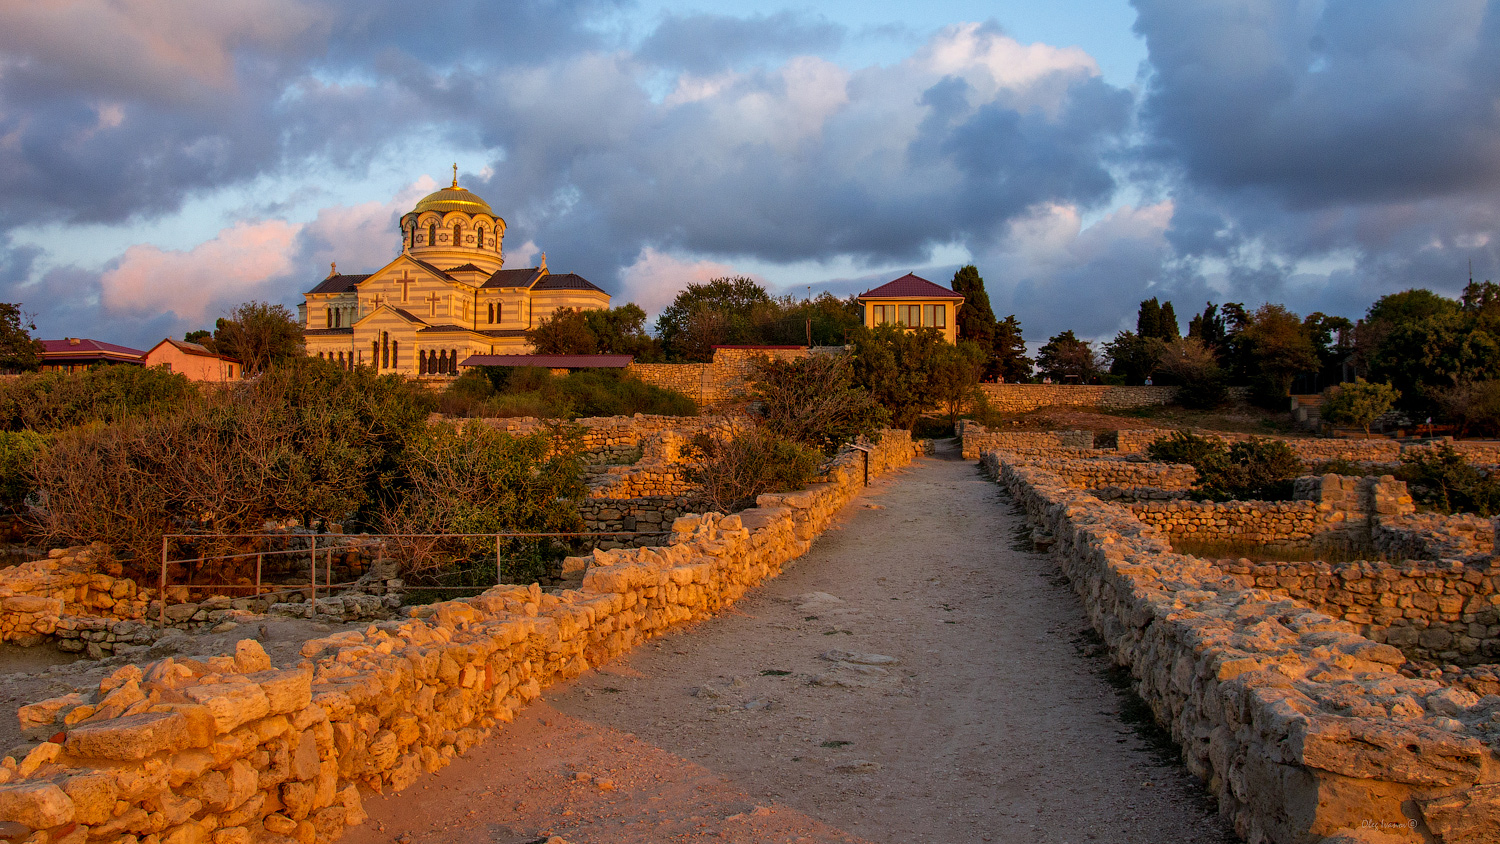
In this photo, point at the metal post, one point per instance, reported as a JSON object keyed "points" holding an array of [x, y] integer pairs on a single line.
{"points": [[498, 576], [314, 567], [328, 570], [257, 574], [162, 621]]}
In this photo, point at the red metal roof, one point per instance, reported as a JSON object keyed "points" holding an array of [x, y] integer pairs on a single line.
{"points": [[551, 361], [82, 348], [910, 287], [767, 348]]}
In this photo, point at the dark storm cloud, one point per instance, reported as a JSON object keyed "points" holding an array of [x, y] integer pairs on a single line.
{"points": [[1346, 101], [118, 110], [710, 43]]}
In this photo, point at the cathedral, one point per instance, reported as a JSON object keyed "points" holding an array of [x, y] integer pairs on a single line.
{"points": [[447, 295]]}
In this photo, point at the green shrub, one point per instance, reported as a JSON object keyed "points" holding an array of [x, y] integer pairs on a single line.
{"points": [[1255, 469], [733, 470], [814, 401], [1184, 447], [1358, 404], [533, 391], [1443, 480], [18, 453], [54, 401], [474, 479]]}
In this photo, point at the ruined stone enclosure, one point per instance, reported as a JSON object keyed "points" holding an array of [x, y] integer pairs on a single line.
{"points": [[1316, 698]]}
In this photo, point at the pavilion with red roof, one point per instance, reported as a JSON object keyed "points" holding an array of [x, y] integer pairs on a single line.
{"points": [[914, 302], [75, 354]]}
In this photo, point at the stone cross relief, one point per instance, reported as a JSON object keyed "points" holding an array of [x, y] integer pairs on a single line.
{"points": [[405, 282], [432, 303]]}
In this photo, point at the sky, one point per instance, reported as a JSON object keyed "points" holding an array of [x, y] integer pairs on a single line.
{"points": [[164, 160]]}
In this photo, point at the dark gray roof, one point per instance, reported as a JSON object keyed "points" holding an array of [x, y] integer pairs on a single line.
{"points": [[340, 283], [564, 281], [326, 332], [512, 278]]}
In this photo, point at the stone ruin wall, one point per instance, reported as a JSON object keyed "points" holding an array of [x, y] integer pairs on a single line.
{"points": [[1023, 398], [1304, 728], [233, 750], [1446, 612], [724, 381]]}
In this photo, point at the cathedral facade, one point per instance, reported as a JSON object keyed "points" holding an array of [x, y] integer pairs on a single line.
{"points": [[447, 295]]}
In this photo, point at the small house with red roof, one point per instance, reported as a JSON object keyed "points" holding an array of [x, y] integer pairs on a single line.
{"points": [[914, 302], [75, 354], [194, 361]]}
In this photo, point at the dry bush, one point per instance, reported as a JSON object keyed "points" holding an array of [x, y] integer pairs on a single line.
{"points": [[735, 468]]}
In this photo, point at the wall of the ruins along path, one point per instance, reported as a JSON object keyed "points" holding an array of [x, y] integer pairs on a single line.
{"points": [[724, 381], [232, 750], [1302, 727]]}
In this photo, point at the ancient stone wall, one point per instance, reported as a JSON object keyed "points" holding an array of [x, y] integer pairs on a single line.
{"points": [[1446, 612], [1304, 729], [725, 381], [608, 438], [1432, 536], [976, 440], [1022, 398], [233, 750]]}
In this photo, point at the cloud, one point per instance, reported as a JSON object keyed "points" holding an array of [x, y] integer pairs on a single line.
{"points": [[232, 267], [655, 278], [705, 44]]}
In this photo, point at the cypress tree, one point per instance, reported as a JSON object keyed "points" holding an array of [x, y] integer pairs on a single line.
{"points": [[1148, 319]]}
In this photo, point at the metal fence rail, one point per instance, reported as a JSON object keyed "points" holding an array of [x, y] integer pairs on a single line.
{"points": [[377, 541]]}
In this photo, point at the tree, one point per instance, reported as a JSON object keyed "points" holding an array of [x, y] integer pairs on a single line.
{"points": [[955, 373], [565, 332], [1168, 330], [895, 365], [202, 337], [1148, 319], [1280, 348], [1191, 365], [1208, 327], [1067, 358], [1473, 405], [19, 352], [976, 321], [718, 312], [1358, 404], [1010, 361], [1131, 357], [259, 335]]}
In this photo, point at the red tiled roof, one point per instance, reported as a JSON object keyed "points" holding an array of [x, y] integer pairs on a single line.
{"points": [[82, 347], [767, 348], [551, 361], [192, 349], [910, 287]]}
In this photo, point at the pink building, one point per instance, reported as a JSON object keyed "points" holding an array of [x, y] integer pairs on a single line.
{"points": [[194, 361]]}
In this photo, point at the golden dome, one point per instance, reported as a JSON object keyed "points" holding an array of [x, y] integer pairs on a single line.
{"points": [[453, 198]]}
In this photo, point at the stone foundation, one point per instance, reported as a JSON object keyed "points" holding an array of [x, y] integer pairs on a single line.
{"points": [[1304, 729]]}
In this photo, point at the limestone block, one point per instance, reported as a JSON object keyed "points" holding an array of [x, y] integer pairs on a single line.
{"points": [[132, 737], [250, 657], [1471, 816], [93, 796], [231, 704], [38, 805], [287, 690]]}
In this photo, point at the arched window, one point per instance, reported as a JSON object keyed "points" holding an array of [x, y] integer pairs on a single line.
{"points": [[479, 237], [453, 363], [458, 234], [330, 318], [395, 354], [432, 234], [374, 352], [411, 235], [442, 363], [385, 350], [421, 361], [492, 313]]}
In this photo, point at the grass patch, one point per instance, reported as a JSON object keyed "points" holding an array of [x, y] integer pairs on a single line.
{"points": [[774, 672], [835, 743]]}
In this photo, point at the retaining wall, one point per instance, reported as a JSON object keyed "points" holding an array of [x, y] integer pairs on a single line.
{"points": [[1304, 729], [1021, 398], [232, 750]]}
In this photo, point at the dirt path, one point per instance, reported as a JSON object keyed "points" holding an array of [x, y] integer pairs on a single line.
{"points": [[911, 679]]}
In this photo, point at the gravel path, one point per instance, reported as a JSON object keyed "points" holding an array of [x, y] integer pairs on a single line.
{"points": [[913, 678]]}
